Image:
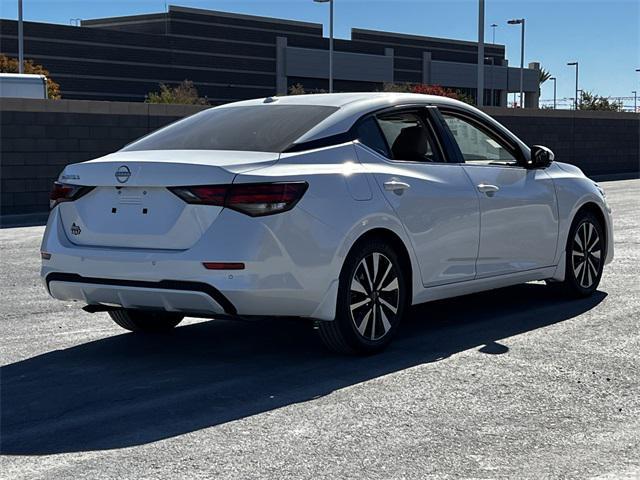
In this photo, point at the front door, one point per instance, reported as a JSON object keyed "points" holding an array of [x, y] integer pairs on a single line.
{"points": [[518, 211]]}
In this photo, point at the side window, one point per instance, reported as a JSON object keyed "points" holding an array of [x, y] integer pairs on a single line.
{"points": [[408, 137], [476, 145], [369, 134]]}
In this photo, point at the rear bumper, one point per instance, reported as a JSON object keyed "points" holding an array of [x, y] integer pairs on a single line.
{"points": [[171, 296], [291, 270]]}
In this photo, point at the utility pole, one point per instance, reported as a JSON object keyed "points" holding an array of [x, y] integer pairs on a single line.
{"points": [[521, 22], [330, 41], [554, 91], [575, 64], [480, 86], [20, 39]]}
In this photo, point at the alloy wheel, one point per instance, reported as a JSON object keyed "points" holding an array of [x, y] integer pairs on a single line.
{"points": [[586, 255], [374, 296]]}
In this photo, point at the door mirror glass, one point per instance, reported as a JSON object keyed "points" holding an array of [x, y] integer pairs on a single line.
{"points": [[541, 157]]}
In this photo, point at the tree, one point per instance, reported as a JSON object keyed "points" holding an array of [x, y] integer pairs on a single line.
{"points": [[297, 89], [543, 76], [184, 93], [10, 65], [590, 101], [428, 90]]}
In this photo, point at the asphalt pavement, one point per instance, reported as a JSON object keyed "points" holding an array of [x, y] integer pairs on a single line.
{"points": [[515, 383]]}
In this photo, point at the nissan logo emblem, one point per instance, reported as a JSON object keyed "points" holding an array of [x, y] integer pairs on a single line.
{"points": [[122, 174]]}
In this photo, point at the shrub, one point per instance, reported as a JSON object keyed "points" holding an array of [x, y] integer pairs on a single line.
{"points": [[185, 93]]}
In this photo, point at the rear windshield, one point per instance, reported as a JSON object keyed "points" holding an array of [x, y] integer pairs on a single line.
{"points": [[260, 128]]}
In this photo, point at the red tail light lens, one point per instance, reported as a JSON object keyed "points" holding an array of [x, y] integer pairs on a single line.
{"points": [[253, 199], [64, 192]]}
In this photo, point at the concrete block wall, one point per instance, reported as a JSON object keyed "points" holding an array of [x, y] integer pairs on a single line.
{"points": [[39, 137], [600, 143]]}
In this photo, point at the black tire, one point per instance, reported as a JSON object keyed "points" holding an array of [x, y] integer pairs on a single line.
{"points": [[584, 261], [145, 321], [369, 329]]}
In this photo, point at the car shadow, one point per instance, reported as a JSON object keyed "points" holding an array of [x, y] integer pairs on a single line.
{"points": [[130, 389]]}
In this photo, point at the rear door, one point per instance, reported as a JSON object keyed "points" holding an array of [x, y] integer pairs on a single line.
{"points": [[433, 198], [519, 221]]}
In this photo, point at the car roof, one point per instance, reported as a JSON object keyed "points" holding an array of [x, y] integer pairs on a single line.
{"points": [[352, 106]]}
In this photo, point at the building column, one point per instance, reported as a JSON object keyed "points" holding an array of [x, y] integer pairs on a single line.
{"points": [[426, 68], [503, 98], [281, 66], [388, 52], [532, 99]]}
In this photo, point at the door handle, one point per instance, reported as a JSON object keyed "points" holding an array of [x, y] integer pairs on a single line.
{"points": [[488, 189], [393, 185]]}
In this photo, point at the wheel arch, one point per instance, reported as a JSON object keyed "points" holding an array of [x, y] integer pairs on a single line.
{"points": [[393, 239], [596, 210]]}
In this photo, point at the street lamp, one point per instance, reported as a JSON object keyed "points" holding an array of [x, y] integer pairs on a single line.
{"points": [[575, 64], [20, 39], [493, 26], [330, 41], [480, 84], [554, 91], [635, 101], [520, 21]]}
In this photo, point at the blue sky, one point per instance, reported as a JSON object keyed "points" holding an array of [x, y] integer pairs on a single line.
{"points": [[603, 35]]}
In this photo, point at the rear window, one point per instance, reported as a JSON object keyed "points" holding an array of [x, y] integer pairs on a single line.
{"points": [[260, 128]]}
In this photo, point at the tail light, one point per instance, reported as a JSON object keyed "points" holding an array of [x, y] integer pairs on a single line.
{"points": [[64, 192], [253, 199]]}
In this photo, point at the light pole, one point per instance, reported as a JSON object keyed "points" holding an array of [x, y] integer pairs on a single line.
{"points": [[330, 41], [20, 39], [635, 101], [575, 64], [554, 91], [493, 26], [480, 86], [520, 21]]}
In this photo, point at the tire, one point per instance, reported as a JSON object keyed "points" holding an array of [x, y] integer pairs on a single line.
{"points": [[585, 250], [365, 330], [144, 321]]}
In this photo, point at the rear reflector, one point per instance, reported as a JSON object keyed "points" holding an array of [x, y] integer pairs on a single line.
{"points": [[64, 192], [253, 199], [223, 266], [45, 255]]}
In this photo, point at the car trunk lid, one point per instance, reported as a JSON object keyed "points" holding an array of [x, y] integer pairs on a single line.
{"points": [[131, 207]]}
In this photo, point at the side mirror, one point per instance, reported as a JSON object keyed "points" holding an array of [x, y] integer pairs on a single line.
{"points": [[541, 157]]}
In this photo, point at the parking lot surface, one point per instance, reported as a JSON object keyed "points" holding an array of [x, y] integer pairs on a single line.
{"points": [[513, 383]]}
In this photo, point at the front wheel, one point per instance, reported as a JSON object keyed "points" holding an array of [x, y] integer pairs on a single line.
{"points": [[371, 301], [585, 253], [145, 321]]}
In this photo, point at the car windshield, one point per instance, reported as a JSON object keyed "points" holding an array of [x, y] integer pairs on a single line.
{"points": [[259, 128]]}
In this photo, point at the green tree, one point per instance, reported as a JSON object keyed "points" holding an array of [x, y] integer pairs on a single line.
{"points": [[543, 76], [10, 65], [590, 101], [184, 93]]}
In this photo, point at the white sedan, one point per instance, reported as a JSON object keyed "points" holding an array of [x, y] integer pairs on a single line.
{"points": [[342, 208]]}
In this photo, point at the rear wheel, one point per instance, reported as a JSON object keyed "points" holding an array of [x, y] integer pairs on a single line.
{"points": [[145, 321], [584, 256], [371, 301]]}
